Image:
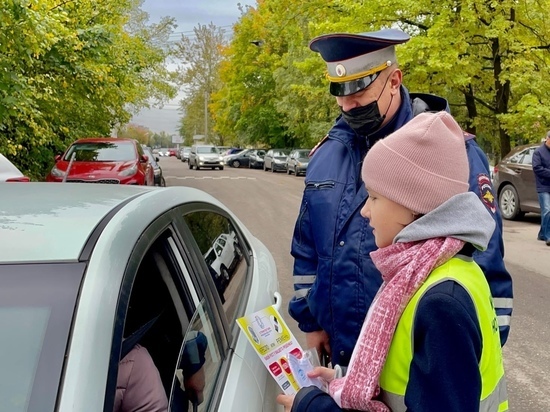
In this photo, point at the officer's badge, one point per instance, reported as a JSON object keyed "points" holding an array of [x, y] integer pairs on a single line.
{"points": [[340, 70], [486, 192]]}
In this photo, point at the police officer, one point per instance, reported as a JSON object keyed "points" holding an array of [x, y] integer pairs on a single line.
{"points": [[334, 278]]}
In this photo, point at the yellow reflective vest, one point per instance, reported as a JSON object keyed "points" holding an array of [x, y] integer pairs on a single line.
{"points": [[395, 374]]}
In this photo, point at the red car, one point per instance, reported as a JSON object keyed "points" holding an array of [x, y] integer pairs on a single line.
{"points": [[103, 160]]}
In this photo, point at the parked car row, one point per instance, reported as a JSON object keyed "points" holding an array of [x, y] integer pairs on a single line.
{"points": [[251, 158], [292, 161]]}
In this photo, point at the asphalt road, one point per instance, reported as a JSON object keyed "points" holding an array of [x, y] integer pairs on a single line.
{"points": [[267, 203]]}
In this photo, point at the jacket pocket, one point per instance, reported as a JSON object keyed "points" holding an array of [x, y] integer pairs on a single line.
{"points": [[328, 184]]}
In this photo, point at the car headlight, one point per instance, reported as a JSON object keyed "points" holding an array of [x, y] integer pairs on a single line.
{"points": [[129, 172], [156, 172], [201, 158], [57, 172]]}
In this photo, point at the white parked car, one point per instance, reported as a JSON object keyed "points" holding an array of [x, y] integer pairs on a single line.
{"points": [[223, 255], [10, 173], [93, 270]]}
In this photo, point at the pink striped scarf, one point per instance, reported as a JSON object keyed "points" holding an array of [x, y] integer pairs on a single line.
{"points": [[404, 268]]}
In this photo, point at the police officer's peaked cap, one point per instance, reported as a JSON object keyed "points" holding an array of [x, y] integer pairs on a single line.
{"points": [[354, 61]]}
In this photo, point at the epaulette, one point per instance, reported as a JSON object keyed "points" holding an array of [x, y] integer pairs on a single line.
{"points": [[318, 145]]}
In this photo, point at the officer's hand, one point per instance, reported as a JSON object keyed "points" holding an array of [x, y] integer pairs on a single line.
{"points": [[320, 341], [286, 401], [326, 374]]}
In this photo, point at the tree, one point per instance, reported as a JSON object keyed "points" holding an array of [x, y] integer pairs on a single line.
{"points": [[71, 70], [490, 59], [161, 139], [135, 131], [200, 56], [273, 91]]}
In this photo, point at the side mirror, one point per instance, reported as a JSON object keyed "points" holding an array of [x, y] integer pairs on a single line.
{"points": [[157, 159], [57, 158], [144, 159]]}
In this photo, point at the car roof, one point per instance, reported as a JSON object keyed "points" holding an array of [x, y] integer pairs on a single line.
{"points": [[44, 222], [103, 140]]}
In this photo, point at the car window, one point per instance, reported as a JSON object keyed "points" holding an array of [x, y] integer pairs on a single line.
{"points": [[229, 268], [102, 152], [199, 363], [36, 309], [207, 150], [527, 157]]}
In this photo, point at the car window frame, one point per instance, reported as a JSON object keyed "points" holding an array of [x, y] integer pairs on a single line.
{"points": [[232, 330], [188, 247]]}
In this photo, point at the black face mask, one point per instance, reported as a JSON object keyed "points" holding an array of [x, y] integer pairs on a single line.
{"points": [[366, 119]]}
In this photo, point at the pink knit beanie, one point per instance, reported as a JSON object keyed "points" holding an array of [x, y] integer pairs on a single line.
{"points": [[421, 165]]}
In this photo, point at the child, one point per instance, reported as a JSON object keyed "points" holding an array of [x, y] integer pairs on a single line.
{"points": [[430, 341]]}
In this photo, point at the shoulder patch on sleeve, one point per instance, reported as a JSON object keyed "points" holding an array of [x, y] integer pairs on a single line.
{"points": [[318, 145], [486, 192]]}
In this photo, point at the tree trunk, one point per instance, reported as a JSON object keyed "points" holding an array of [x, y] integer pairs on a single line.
{"points": [[502, 97], [472, 110]]}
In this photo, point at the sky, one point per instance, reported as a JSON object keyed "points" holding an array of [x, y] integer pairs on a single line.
{"points": [[188, 14]]}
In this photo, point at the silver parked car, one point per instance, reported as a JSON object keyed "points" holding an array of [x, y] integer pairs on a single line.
{"points": [[275, 160], [297, 161], [205, 156], [93, 270]]}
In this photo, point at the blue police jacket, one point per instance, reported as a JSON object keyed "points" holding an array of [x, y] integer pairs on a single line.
{"points": [[335, 280]]}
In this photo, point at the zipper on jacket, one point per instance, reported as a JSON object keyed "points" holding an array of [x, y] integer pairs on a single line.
{"points": [[320, 185]]}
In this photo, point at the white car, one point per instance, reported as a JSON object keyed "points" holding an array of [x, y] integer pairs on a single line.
{"points": [[10, 173], [223, 255], [92, 270]]}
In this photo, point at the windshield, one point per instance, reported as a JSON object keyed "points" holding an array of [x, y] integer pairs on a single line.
{"points": [[206, 149], [36, 309], [102, 152], [303, 153], [280, 154]]}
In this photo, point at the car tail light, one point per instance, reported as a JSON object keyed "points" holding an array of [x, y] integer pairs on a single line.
{"points": [[495, 170], [19, 179]]}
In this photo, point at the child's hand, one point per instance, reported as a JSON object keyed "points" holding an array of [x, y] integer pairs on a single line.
{"points": [[286, 401], [326, 374]]}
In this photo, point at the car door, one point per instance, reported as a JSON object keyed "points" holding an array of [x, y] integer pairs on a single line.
{"points": [[239, 381], [528, 194]]}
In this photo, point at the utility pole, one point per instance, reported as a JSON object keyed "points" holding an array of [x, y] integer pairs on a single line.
{"points": [[206, 114]]}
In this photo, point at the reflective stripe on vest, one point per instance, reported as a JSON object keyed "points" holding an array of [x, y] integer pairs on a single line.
{"points": [[395, 374]]}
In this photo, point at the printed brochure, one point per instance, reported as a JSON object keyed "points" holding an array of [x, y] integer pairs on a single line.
{"points": [[273, 341]]}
